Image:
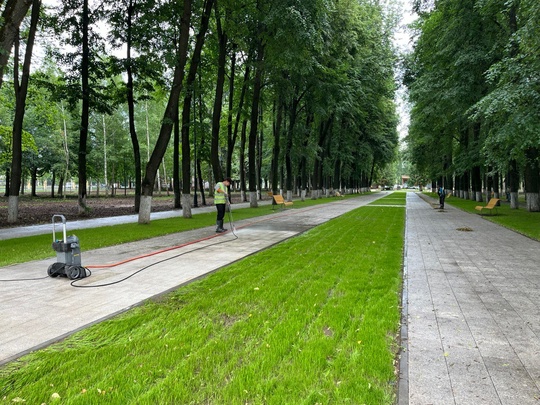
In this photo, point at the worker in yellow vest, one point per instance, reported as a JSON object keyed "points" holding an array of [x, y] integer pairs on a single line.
{"points": [[220, 199]]}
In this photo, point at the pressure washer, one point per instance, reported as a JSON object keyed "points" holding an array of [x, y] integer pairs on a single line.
{"points": [[68, 254]]}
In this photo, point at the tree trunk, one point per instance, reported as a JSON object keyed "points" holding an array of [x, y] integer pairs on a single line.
{"points": [[131, 113], [477, 183], [12, 17], [337, 175], [317, 164], [186, 206], [242, 163], [488, 181], [53, 183], [496, 191], [231, 135], [176, 166], [513, 183], [170, 116], [33, 181], [254, 120], [200, 178], [145, 209], [218, 99], [276, 150], [293, 114], [6, 189], [260, 140], [304, 159], [186, 111], [466, 185], [288, 158], [20, 96], [60, 191], [85, 112], [201, 147], [186, 152], [238, 119], [532, 180], [324, 128]]}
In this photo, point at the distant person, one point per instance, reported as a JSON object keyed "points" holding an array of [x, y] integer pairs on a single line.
{"points": [[442, 195], [220, 199]]}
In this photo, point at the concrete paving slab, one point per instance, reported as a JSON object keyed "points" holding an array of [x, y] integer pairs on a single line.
{"points": [[472, 309]]}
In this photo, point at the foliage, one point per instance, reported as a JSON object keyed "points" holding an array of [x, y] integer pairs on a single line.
{"points": [[328, 65], [474, 85], [29, 147], [511, 108]]}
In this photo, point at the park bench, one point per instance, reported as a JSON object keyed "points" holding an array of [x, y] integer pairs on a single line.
{"points": [[281, 202], [492, 204]]}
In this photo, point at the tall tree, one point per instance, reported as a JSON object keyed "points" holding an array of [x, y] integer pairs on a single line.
{"points": [[134, 24], [85, 111], [254, 122], [455, 48], [218, 99], [21, 90], [75, 24], [509, 110], [170, 116], [186, 112]]}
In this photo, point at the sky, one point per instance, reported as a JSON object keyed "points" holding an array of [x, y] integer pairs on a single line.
{"points": [[402, 40]]}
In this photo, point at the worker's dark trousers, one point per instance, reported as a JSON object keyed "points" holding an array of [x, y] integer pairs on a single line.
{"points": [[220, 211]]}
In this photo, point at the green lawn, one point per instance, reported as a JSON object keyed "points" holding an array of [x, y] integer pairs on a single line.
{"points": [[396, 198], [38, 247], [312, 320]]}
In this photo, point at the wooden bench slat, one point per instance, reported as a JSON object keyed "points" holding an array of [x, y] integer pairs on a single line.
{"points": [[492, 204], [280, 201]]}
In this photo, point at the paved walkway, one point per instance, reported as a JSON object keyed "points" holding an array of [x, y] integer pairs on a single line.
{"points": [[473, 303], [471, 296], [41, 310]]}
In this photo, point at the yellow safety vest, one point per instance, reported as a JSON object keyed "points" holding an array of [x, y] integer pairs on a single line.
{"points": [[219, 198]]}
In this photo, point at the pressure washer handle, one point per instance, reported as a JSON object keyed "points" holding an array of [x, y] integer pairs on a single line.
{"points": [[63, 218]]}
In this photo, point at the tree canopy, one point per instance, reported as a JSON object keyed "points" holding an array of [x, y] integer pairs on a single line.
{"points": [[474, 87], [289, 95]]}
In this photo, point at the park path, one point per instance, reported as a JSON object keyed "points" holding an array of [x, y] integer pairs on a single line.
{"points": [[472, 310]]}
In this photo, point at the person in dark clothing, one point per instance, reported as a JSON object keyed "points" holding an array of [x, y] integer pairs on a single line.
{"points": [[442, 196]]}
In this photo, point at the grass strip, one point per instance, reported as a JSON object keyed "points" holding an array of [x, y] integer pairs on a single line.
{"points": [[25, 249], [311, 320], [395, 198], [519, 220]]}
